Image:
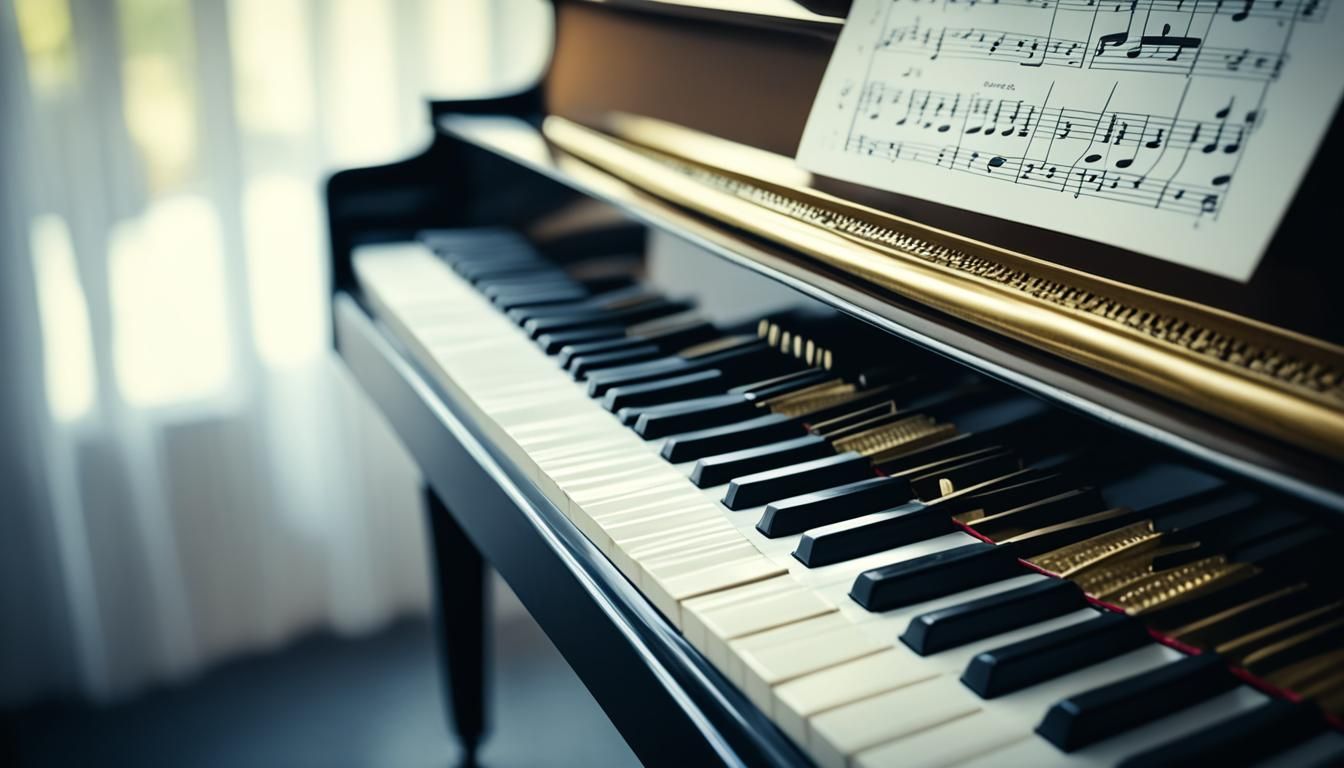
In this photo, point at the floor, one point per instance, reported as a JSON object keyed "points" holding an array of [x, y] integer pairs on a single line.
{"points": [[327, 701]]}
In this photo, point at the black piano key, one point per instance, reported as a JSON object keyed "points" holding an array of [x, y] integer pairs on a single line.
{"points": [[967, 622], [505, 274], [666, 341], [696, 384], [773, 484], [551, 343], [716, 470], [648, 310], [1248, 738], [511, 265], [639, 373], [796, 514], [699, 413], [580, 366], [1101, 713], [782, 385], [732, 362], [571, 351], [872, 533], [1044, 657], [934, 575], [916, 521], [964, 474], [751, 433], [606, 302], [508, 301]]}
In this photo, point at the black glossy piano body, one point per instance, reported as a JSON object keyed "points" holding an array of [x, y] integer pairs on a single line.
{"points": [[491, 165]]}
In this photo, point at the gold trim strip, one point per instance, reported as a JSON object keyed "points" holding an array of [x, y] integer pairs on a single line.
{"points": [[1272, 381]]}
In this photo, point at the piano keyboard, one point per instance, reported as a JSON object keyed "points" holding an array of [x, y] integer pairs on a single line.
{"points": [[893, 563]]}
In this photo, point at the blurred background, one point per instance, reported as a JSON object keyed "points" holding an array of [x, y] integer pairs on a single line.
{"points": [[188, 476]]}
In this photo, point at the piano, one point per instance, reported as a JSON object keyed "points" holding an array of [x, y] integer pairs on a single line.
{"points": [[797, 471]]}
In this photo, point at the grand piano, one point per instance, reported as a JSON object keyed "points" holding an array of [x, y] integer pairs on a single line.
{"points": [[797, 471]]}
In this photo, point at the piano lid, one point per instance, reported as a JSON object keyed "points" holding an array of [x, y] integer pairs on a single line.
{"points": [[706, 108]]}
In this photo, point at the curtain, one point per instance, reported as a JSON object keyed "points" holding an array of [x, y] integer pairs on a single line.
{"points": [[187, 471]]}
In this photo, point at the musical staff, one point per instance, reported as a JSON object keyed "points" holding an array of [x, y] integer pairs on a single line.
{"points": [[1159, 54], [1039, 172], [973, 115], [1305, 11], [1117, 155]]}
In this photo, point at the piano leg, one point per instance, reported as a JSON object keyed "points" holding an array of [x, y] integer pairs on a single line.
{"points": [[459, 591]]}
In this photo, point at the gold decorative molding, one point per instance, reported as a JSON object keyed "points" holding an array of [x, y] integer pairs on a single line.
{"points": [[1264, 378]]}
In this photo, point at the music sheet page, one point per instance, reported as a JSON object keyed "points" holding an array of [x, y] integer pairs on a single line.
{"points": [[1179, 129]]}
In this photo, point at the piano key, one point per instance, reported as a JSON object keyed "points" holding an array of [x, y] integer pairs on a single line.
{"points": [[580, 366], [946, 745], [799, 513], [550, 343], [768, 665], [717, 470], [746, 355], [667, 594], [738, 404], [979, 619], [736, 670], [713, 410], [871, 533], [1190, 720], [536, 295], [693, 630], [765, 389], [715, 556], [797, 701], [539, 326], [1272, 728], [941, 573], [696, 384], [571, 351], [721, 625], [752, 433], [917, 521], [1013, 667], [1104, 712], [843, 732], [814, 475]]}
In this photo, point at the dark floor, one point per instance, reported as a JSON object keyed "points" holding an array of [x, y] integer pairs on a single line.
{"points": [[324, 701]]}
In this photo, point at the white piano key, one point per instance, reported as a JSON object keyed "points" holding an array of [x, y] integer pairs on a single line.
{"points": [[779, 636], [678, 563], [694, 631], [946, 745], [766, 667], [722, 625], [667, 594], [841, 733]]}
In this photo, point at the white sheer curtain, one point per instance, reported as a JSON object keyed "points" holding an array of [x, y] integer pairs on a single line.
{"points": [[188, 472]]}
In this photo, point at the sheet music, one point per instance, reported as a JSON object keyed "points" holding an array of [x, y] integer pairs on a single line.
{"points": [[1175, 128]]}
